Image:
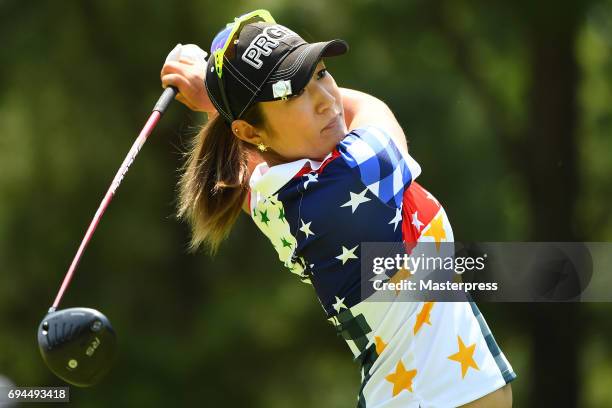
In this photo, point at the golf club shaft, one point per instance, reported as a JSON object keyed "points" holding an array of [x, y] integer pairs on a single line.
{"points": [[160, 107]]}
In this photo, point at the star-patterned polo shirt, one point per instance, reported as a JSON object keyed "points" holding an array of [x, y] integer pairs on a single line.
{"points": [[318, 214]]}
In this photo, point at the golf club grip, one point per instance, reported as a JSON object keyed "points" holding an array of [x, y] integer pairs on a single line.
{"points": [[164, 100]]}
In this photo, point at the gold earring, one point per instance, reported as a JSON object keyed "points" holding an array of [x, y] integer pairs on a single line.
{"points": [[262, 147]]}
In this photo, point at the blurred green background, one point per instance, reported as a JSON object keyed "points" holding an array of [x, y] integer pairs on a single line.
{"points": [[506, 106]]}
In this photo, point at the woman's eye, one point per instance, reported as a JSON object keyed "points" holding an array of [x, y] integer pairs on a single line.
{"points": [[296, 95], [320, 74]]}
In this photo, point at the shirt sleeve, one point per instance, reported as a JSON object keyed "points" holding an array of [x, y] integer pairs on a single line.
{"points": [[375, 158]]}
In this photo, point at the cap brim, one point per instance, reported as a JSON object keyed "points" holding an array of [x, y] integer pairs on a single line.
{"points": [[299, 65]]}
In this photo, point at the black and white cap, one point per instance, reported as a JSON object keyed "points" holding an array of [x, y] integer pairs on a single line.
{"points": [[267, 62]]}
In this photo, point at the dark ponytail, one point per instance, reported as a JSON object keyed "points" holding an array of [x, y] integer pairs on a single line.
{"points": [[214, 180]]}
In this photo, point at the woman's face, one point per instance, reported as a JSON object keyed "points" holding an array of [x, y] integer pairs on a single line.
{"points": [[308, 125]]}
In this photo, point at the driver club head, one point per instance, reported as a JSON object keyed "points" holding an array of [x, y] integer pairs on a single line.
{"points": [[78, 345]]}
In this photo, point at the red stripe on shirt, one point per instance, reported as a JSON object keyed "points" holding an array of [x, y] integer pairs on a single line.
{"points": [[415, 200]]}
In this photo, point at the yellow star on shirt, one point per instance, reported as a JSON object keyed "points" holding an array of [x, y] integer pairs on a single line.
{"points": [[401, 379], [423, 317], [465, 357], [401, 275], [436, 230], [380, 345]]}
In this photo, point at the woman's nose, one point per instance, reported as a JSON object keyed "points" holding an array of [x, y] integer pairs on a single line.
{"points": [[324, 98]]}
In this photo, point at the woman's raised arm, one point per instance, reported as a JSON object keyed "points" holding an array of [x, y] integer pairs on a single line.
{"points": [[361, 109]]}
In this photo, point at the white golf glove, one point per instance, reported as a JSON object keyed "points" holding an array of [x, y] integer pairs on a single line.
{"points": [[187, 51]]}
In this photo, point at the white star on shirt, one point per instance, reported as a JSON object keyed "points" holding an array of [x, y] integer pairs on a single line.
{"points": [[397, 218], [432, 198], [356, 199], [305, 228], [312, 178], [347, 254], [339, 305], [415, 221]]}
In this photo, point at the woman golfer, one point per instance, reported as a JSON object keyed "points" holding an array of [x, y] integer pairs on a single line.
{"points": [[321, 170]]}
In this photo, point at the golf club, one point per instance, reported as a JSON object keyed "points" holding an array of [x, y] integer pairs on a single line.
{"points": [[79, 344]]}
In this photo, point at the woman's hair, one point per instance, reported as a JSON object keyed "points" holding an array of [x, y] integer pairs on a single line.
{"points": [[214, 180]]}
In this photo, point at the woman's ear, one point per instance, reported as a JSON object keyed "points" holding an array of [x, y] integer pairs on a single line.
{"points": [[246, 132]]}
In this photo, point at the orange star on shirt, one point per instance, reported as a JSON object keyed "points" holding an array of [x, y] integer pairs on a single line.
{"points": [[401, 275], [380, 345], [436, 230], [401, 379], [465, 357], [423, 317]]}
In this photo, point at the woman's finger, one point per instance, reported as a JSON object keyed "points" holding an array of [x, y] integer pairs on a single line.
{"points": [[179, 97], [187, 60], [176, 80], [173, 67], [184, 101]]}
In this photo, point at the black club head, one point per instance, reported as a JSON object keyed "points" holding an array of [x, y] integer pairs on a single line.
{"points": [[78, 344]]}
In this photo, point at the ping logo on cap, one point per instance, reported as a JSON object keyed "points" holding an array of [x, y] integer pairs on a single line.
{"points": [[264, 44]]}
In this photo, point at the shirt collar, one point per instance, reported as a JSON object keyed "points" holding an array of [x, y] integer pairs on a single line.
{"points": [[268, 180]]}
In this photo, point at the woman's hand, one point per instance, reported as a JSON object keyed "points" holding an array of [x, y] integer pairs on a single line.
{"points": [[188, 75]]}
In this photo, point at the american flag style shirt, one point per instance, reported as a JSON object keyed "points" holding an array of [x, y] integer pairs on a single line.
{"points": [[318, 214]]}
